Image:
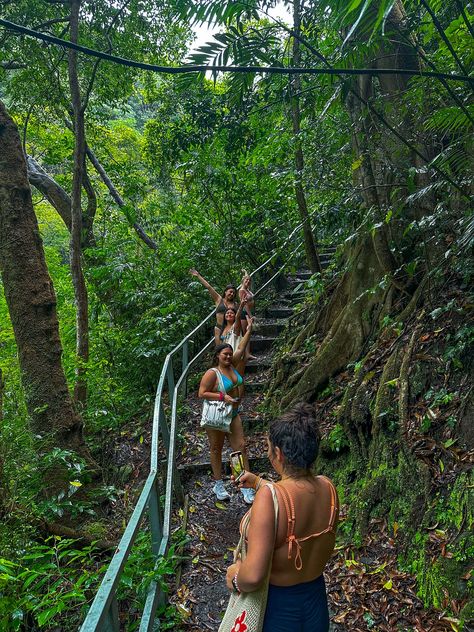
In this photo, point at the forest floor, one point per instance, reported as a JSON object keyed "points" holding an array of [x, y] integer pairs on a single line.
{"points": [[366, 589]]}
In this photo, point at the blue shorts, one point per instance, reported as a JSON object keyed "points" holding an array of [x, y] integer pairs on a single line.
{"points": [[299, 608]]}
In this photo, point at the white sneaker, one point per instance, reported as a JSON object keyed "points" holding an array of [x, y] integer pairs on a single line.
{"points": [[220, 491], [248, 494]]}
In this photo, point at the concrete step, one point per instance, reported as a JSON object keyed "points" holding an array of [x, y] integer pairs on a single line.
{"points": [[256, 386], [190, 470], [269, 328], [295, 297], [254, 366], [261, 343], [279, 312], [305, 275]]}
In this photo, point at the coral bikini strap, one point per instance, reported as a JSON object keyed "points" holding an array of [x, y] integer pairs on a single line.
{"points": [[334, 507], [290, 512], [290, 532]]}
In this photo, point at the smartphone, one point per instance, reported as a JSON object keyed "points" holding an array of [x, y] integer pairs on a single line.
{"points": [[237, 465]]}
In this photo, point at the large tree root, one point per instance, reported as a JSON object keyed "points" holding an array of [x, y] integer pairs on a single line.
{"points": [[350, 310]]}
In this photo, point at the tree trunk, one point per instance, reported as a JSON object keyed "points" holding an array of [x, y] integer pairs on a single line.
{"points": [[32, 305], [3, 491], [309, 241], [80, 289], [60, 200]]}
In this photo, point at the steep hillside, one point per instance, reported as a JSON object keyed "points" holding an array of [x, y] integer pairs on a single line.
{"points": [[390, 373]]}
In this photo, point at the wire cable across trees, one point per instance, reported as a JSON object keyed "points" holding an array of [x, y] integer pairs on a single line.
{"points": [[176, 70]]}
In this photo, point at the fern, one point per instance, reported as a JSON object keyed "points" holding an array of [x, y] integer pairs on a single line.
{"points": [[450, 119], [456, 159], [216, 11]]}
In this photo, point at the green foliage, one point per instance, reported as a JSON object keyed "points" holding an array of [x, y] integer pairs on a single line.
{"points": [[206, 168], [49, 585], [337, 438], [46, 584]]}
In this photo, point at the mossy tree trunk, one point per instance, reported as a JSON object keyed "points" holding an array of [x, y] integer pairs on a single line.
{"points": [[374, 277], [32, 306]]}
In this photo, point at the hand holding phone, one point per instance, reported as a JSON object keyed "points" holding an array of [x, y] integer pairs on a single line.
{"points": [[237, 465]]}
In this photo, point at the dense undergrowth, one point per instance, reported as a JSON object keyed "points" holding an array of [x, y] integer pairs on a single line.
{"points": [[397, 429]]}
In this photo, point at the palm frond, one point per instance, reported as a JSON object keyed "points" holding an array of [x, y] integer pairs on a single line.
{"points": [[466, 239], [215, 11], [455, 159], [364, 17], [420, 193], [450, 119]]}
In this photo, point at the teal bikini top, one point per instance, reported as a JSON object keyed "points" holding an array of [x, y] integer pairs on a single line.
{"points": [[228, 384]]}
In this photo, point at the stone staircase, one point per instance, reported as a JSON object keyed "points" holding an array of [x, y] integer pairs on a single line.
{"points": [[213, 527]]}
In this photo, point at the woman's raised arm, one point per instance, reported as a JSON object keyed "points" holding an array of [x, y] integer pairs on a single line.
{"points": [[237, 324], [244, 342], [216, 297]]}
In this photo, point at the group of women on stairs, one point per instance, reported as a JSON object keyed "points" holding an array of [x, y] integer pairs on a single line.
{"points": [[232, 336], [290, 531]]}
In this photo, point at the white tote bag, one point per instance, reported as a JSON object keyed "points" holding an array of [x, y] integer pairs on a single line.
{"points": [[216, 414], [246, 611]]}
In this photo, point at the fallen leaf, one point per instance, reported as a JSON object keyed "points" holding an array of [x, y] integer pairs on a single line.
{"points": [[183, 610]]}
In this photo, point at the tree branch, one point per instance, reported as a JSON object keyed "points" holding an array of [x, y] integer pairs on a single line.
{"points": [[52, 191], [43, 25], [117, 197], [89, 214], [464, 17], [109, 50], [12, 65]]}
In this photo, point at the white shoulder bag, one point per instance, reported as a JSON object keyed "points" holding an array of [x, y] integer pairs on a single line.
{"points": [[216, 414]]}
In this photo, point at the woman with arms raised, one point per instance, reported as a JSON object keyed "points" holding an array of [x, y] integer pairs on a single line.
{"points": [[225, 360], [246, 294], [231, 329], [305, 535], [222, 302]]}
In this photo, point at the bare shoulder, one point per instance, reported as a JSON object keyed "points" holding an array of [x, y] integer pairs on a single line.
{"points": [[262, 510], [209, 377], [263, 499]]}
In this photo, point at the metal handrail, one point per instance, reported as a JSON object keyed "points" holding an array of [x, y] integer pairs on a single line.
{"points": [[103, 613]]}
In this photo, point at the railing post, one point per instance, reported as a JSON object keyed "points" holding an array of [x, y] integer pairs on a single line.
{"points": [[170, 379], [165, 431], [185, 363], [155, 518], [111, 622]]}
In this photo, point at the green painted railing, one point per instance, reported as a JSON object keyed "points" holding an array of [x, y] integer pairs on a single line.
{"points": [[103, 615]]}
